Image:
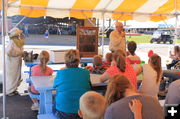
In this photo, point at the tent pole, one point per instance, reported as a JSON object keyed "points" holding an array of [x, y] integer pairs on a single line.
{"points": [[103, 29], [109, 27], [3, 60], [176, 18], [20, 21], [176, 24], [94, 25]]}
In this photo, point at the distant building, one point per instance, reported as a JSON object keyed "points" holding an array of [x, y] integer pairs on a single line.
{"points": [[150, 28]]}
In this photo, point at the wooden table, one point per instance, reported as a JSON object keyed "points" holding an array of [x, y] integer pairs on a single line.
{"points": [[44, 84]]}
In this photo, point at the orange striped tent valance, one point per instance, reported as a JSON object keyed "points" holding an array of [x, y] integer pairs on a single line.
{"points": [[140, 10]]}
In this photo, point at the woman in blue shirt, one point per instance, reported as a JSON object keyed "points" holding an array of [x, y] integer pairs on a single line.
{"points": [[70, 84]]}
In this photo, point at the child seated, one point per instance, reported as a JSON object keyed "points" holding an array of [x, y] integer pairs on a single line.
{"points": [[152, 74], [98, 67], [40, 70], [175, 57], [108, 61], [92, 106], [133, 58], [121, 93]]}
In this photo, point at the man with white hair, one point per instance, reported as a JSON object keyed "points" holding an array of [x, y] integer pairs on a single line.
{"points": [[117, 38]]}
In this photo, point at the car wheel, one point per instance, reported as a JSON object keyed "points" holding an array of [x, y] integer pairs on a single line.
{"points": [[171, 41], [164, 42], [151, 41]]}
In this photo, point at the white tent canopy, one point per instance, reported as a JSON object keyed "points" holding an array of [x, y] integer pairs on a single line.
{"points": [[140, 10]]}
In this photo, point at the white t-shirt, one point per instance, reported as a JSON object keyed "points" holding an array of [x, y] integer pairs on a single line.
{"points": [[149, 85]]}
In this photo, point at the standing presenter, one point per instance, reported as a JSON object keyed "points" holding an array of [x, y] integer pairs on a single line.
{"points": [[117, 38]]}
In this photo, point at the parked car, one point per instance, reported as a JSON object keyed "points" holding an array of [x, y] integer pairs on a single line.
{"points": [[162, 36]]}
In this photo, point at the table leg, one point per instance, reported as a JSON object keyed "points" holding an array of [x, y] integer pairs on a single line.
{"points": [[45, 102], [48, 101], [42, 103]]}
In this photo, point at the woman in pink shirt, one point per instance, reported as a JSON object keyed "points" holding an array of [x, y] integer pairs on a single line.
{"points": [[40, 70], [120, 66]]}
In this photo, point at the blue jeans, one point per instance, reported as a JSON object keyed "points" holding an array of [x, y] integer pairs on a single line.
{"points": [[172, 74], [63, 115]]}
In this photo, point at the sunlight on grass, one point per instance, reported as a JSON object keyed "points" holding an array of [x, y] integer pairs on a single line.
{"points": [[142, 39], [139, 39]]}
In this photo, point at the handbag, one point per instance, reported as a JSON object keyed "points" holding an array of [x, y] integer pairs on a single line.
{"points": [[13, 50]]}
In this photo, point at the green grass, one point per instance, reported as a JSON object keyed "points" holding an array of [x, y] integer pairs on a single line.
{"points": [[142, 39], [103, 35], [178, 40], [139, 39]]}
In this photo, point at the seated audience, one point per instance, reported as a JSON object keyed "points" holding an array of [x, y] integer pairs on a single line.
{"points": [[133, 58], [92, 106], [120, 93], [173, 95], [175, 57], [40, 70], [120, 66], [70, 83], [171, 74], [98, 67], [108, 61], [152, 74]]}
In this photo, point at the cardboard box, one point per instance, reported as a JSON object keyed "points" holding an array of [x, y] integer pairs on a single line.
{"points": [[57, 56]]}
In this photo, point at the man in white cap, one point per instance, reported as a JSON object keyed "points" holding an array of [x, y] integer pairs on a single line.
{"points": [[117, 38]]}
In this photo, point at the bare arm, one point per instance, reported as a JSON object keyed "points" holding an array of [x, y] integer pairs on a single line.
{"points": [[138, 69], [104, 77], [174, 57]]}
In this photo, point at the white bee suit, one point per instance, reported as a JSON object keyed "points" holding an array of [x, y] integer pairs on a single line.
{"points": [[13, 66], [13, 73]]}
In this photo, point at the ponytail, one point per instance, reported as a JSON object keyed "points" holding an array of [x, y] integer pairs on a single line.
{"points": [[116, 88], [119, 57], [156, 65], [44, 58]]}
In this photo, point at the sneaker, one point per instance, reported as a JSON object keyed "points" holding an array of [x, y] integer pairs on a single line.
{"points": [[35, 107], [13, 93]]}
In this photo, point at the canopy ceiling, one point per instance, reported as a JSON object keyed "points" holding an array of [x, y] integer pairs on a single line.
{"points": [[140, 10]]}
